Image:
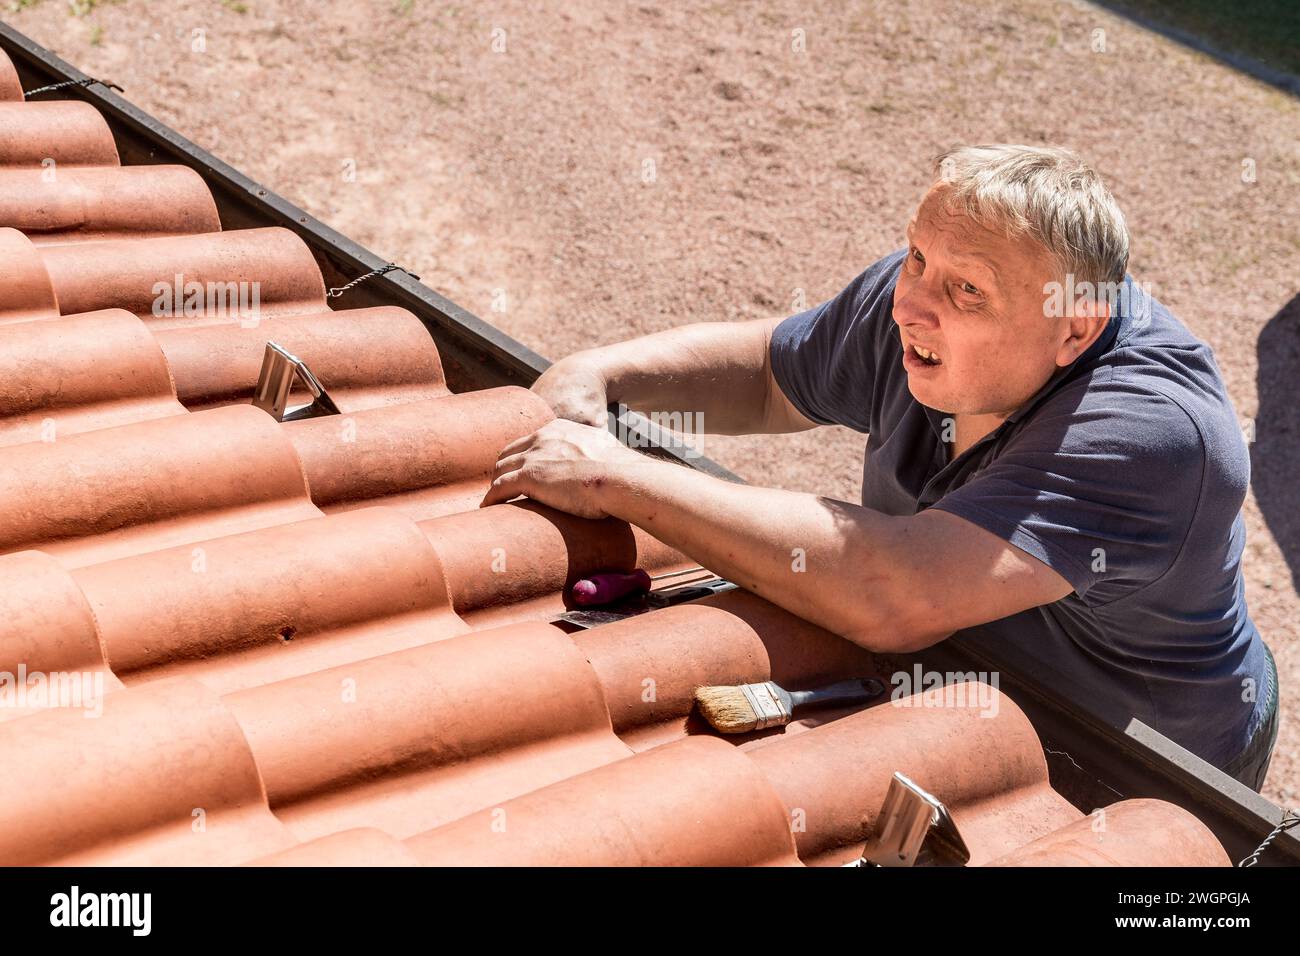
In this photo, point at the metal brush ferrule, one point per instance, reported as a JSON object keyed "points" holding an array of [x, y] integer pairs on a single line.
{"points": [[769, 708]]}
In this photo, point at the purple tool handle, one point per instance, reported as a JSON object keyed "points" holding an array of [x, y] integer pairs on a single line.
{"points": [[609, 587]]}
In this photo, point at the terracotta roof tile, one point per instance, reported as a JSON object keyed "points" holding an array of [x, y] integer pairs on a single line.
{"points": [[412, 740], [514, 562], [426, 458], [67, 204], [11, 90], [369, 357], [976, 753], [165, 280], [1127, 833], [183, 785], [79, 374], [47, 624], [109, 367], [693, 802], [727, 639], [316, 649], [150, 485], [257, 607], [27, 292], [363, 846], [66, 132]]}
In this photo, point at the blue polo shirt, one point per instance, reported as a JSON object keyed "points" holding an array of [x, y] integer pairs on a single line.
{"points": [[1125, 474]]}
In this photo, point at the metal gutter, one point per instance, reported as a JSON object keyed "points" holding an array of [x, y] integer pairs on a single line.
{"points": [[1089, 762]]}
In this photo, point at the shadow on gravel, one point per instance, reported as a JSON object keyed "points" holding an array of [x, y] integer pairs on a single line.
{"points": [[1275, 454]]}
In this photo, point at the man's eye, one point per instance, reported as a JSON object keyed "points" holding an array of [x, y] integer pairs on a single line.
{"points": [[916, 254], [969, 289]]}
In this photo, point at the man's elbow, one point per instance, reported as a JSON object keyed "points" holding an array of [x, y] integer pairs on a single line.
{"points": [[881, 600], [886, 628]]}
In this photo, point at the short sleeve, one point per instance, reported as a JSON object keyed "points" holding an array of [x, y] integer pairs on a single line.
{"points": [[825, 360], [1101, 484]]}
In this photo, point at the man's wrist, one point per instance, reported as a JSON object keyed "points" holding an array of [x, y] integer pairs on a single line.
{"points": [[616, 488]]}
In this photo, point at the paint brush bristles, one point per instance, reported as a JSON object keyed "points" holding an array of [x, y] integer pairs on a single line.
{"points": [[727, 709]]}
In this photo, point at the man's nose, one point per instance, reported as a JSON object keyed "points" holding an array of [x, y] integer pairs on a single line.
{"points": [[916, 307]]}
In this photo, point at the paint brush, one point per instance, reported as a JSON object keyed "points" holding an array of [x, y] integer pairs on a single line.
{"points": [[746, 707]]}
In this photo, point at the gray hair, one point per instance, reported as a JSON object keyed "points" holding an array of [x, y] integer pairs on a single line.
{"points": [[1047, 192]]}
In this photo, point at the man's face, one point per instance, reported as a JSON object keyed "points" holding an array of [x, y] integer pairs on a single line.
{"points": [[974, 300]]}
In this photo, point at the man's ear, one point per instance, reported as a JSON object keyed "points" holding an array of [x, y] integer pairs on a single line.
{"points": [[1086, 321]]}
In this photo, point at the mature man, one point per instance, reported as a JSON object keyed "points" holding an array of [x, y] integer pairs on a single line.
{"points": [[1052, 459]]}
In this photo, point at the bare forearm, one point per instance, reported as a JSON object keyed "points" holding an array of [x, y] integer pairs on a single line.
{"points": [[717, 370], [889, 583], [807, 554]]}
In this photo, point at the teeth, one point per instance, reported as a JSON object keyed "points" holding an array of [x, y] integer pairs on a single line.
{"points": [[925, 354]]}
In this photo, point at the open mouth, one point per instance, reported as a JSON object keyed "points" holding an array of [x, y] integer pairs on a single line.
{"points": [[926, 356]]}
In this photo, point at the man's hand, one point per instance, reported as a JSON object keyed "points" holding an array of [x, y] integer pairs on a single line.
{"points": [[575, 390], [562, 464]]}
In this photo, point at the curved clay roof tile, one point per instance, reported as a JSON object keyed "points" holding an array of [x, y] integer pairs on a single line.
{"points": [[79, 374], [968, 745], [727, 639], [365, 358], [265, 605], [415, 739], [111, 202], [49, 134], [696, 802], [185, 281], [364, 846], [47, 626], [427, 459], [11, 90], [163, 776], [515, 561], [26, 292], [104, 494], [1127, 833]]}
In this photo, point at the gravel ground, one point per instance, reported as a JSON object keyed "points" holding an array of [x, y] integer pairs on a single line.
{"points": [[579, 174]]}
